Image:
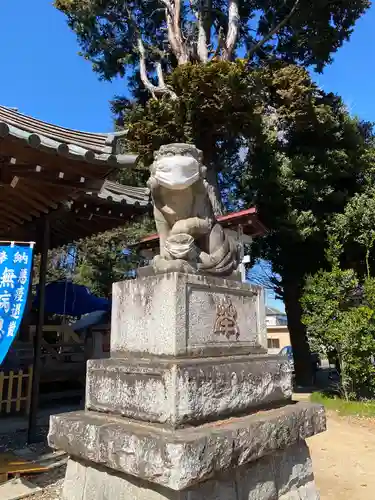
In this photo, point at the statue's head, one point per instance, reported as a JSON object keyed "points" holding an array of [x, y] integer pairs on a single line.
{"points": [[178, 166]]}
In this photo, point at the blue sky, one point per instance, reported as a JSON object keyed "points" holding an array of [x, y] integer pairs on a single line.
{"points": [[43, 75]]}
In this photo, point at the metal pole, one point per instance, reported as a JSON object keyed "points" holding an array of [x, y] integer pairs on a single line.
{"points": [[37, 363]]}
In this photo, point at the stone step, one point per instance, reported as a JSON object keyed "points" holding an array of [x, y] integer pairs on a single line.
{"points": [[189, 391], [178, 459]]}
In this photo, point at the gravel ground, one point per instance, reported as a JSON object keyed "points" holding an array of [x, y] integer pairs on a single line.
{"points": [[18, 440], [343, 459], [51, 493], [50, 481]]}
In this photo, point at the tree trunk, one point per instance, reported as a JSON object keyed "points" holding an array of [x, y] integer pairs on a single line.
{"points": [[214, 191], [298, 337]]}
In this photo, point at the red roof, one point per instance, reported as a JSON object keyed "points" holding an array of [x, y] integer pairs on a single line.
{"points": [[248, 218]]}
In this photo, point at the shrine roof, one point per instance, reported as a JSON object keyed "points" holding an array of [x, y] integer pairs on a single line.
{"points": [[119, 193], [247, 219], [74, 144], [50, 171]]}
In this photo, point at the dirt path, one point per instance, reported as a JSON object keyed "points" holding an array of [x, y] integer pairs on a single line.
{"points": [[343, 459]]}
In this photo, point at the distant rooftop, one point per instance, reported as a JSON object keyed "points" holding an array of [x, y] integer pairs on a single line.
{"points": [[272, 311], [247, 219]]}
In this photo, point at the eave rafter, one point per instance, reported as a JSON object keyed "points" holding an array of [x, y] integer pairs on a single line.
{"points": [[60, 174]]}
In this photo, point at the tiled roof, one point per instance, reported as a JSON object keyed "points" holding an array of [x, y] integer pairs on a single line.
{"points": [[272, 311], [118, 193], [47, 170], [90, 147]]}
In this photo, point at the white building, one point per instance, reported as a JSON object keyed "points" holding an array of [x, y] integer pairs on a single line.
{"points": [[277, 330], [274, 317]]}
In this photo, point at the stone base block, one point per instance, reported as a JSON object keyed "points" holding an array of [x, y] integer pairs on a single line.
{"points": [[182, 458], [147, 271], [285, 475], [186, 391], [174, 314]]}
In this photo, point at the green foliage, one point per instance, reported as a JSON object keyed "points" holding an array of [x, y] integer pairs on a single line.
{"points": [[302, 171], [107, 30], [269, 135], [99, 261], [217, 103], [355, 229], [340, 317], [277, 142], [277, 115], [343, 407]]}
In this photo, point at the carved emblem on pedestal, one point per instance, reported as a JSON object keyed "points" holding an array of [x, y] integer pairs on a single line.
{"points": [[226, 320]]}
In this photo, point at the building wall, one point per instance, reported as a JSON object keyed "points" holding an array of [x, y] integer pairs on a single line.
{"points": [[274, 319], [277, 338], [271, 320]]}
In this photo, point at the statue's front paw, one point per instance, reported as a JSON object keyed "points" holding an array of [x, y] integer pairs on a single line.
{"points": [[161, 265]]}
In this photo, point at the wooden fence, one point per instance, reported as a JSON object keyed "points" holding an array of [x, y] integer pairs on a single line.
{"points": [[60, 345], [15, 391]]}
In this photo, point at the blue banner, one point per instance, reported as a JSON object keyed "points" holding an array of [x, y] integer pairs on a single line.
{"points": [[15, 271]]}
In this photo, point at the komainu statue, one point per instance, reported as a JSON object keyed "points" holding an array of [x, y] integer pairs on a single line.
{"points": [[191, 240]]}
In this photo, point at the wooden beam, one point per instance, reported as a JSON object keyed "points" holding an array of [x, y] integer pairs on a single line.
{"points": [[77, 185], [109, 209], [27, 155], [46, 176], [68, 234], [66, 227], [103, 212], [8, 209], [58, 232], [12, 168], [47, 201], [28, 199], [93, 227], [10, 217], [18, 207]]}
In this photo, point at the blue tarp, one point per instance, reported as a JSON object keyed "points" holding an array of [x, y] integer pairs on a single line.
{"points": [[91, 319], [64, 297]]}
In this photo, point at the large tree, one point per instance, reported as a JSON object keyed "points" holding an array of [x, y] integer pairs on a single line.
{"points": [[117, 35], [293, 150], [312, 159], [147, 39], [182, 55]]}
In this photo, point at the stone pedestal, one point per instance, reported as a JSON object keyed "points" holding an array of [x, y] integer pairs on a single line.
{"points": [[189, 406]]}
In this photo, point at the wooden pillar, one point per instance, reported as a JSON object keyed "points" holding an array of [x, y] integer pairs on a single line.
{"points": [[37, 364]]}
